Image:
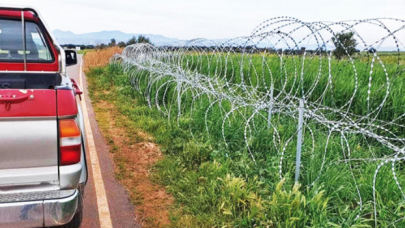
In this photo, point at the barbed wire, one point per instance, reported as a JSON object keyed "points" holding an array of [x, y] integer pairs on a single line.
{"points": [[242, 79]]}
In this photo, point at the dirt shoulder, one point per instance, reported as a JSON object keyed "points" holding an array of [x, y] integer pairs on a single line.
{"points": [[134, 154], [133, 151]]}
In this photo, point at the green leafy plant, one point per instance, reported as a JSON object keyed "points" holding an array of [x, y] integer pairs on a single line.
{"points": [[345, 44]]}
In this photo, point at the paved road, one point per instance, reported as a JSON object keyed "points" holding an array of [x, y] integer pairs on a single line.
{"points": [[119, 208]]}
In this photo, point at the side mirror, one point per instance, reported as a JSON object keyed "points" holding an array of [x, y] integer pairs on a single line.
{"points": [[71, 57]]}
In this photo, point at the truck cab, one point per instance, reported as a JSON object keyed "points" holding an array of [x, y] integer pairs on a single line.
{"points": [[43, 169]]}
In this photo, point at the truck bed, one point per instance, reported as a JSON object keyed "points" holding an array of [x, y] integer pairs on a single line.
{"points": [[29, 80]]}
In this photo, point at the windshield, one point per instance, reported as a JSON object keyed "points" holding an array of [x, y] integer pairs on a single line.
{"points": [[11, 42]]}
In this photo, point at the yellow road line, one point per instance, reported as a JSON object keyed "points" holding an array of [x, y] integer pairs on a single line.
{"points": [[102, 203]]}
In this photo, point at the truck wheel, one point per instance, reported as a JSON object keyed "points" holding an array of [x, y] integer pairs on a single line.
{"points": [[77, 219]]}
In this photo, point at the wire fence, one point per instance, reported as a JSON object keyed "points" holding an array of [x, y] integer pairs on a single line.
{"points": [[286, 70]]}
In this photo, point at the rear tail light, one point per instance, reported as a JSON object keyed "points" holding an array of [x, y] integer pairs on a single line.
{"points": [[70, 142]]}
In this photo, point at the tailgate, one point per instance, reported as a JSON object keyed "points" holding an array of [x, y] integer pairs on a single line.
{"points": [[28, 137]]}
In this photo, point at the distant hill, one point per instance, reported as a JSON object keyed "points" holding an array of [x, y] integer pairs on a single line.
{"points": [[67, 37]]}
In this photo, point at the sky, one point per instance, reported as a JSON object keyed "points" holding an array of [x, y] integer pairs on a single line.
{"points": [[187, 19]]}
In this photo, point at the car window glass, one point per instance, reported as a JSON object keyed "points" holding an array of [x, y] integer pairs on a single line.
{"points": [[36, 45], [11, 42]]}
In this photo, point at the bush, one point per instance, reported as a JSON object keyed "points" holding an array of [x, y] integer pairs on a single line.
{"points": [[345, 44]]}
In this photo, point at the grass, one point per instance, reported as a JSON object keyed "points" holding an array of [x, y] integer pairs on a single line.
{"points": [[100, 57], [208, 194], [84, 51], [219, 186]]}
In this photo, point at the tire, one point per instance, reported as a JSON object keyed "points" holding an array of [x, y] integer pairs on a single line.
{"points": [[77, 219]]}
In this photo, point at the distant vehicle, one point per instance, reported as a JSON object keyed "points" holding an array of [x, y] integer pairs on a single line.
{"points": [[43, 169]]}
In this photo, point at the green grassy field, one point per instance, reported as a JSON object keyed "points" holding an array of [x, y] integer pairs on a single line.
{"points": [[84, 51], [219, 185]]}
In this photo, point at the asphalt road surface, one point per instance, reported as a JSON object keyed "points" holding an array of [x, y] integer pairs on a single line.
{"points": [[106, 203]]}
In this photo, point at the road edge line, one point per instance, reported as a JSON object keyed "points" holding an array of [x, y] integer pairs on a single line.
{"points": [[101, 197]]}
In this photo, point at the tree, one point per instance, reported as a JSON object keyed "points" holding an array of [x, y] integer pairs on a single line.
{"points": [[121, 44], [140, 39], [132, 41], [143, 39], [101, 46], [345, 44], [112, 42]]}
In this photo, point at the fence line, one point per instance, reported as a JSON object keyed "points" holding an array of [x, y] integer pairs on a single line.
{"points": [[269, 75]]}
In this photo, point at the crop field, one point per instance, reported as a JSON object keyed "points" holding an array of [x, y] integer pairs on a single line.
{"points": [[259, 138]]}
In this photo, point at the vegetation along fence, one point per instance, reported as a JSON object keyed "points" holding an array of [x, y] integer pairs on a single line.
{"points": [[325, 99]]}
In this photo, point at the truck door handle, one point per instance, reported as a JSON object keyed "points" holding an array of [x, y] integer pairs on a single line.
{"points": [[8, 99]]}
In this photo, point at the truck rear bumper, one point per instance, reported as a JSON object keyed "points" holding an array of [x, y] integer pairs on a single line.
{"points": [[40, 209]]}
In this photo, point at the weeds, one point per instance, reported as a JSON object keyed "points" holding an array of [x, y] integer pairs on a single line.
{"points": [[99, 57], [216, 188]]}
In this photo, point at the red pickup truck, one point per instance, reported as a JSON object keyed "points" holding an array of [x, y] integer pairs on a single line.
{"points": [[43, 168]]}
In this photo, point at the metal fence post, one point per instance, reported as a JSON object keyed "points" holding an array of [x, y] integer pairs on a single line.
{"points": [[299, 140], [178, 101], [271, 106]]}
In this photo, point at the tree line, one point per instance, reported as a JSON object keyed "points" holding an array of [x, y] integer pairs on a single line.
{"points": [[345, 44], [112, 43]]}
